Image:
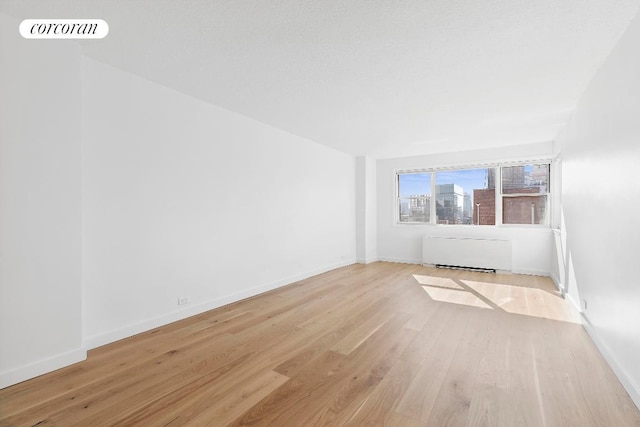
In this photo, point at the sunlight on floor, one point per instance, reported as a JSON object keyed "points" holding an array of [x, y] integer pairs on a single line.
{"points": [[455, 297], [515, 299], [441, 282]]}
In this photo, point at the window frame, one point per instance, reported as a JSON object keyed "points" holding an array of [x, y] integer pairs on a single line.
{"points": [[499, 195], [399, 198], [546, 223]]}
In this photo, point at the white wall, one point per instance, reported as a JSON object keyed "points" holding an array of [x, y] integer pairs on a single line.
{"points": [[532, 247], [366, 210], [601, 203], [40, 218], [184, 199]]}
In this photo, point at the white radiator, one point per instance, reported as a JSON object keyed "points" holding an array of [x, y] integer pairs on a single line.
{"points": [[482, 253]]}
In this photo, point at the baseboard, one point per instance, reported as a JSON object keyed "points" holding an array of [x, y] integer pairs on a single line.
{"points": [[146, 325], [556, 281], [367, 261], [530, 272], [35, 369], [629, 385], [564, 293], [419, 261], [400, 260]]}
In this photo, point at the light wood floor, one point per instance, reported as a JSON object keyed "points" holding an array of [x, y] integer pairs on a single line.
{"points": [[385, 343]]}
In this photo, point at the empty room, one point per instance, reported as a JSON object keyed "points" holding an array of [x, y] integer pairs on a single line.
{"points": [[319, 213]]}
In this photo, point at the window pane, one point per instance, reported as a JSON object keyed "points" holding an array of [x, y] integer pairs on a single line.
{"points": [[414, 197], [525, 179], [415, 209], [524, 210], [466, 196]]}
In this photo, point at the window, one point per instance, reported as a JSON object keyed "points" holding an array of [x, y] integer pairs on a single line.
{"points": [[414, 197], [513, 194], [466, 196], [525, 190]]}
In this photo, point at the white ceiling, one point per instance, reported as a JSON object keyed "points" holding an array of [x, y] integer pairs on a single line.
{"points": [[370, 77]]}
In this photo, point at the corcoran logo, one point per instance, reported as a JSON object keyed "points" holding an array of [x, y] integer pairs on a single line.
{"points": [[64, 28]]}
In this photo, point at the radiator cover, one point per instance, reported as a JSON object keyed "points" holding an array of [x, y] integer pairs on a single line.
{"points": [[467, 252]]}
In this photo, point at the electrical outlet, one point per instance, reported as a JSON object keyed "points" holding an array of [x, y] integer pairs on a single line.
{"points": [[584, 302], [184, 300]]}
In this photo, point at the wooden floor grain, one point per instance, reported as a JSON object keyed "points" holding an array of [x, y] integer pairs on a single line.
{"points": [[381, 344]]}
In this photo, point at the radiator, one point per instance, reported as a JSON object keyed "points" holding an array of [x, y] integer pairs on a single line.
{"points": [[493, 254]]}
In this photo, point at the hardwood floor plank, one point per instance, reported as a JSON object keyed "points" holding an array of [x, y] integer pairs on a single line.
{"points": [[362, 332], [524, 400], [249, 361], [421, 396], [215, 403], [377, 344], [597, 391], [295, 308], [166, 371], [451, 405], [102, 362], [422, 316], [365, 376], [490, 391], [312, 394], [379, 407], [300, 390], [558, 383], [397, 420], [225, 410], [336, 329], [425, 342]]}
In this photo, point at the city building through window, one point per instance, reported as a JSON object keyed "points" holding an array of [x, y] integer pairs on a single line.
{"points": [[414, 197], [524, 194], [471, 197]]}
